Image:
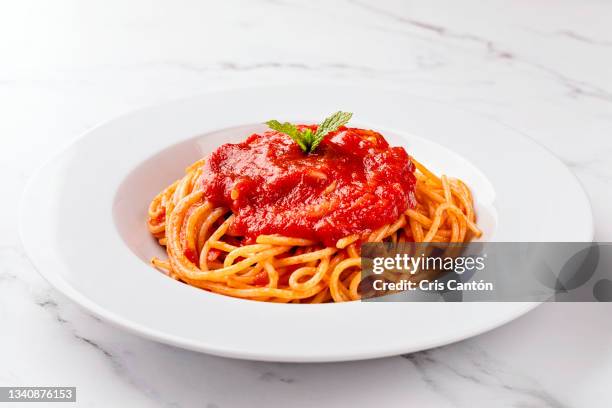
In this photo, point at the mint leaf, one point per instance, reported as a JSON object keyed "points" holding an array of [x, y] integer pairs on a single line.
{"points": [[306, 139], [291, 131], [329, 125], [307, 134]]}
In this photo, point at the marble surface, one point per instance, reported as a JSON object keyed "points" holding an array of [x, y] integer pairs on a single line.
{"points": [[540, 68]]}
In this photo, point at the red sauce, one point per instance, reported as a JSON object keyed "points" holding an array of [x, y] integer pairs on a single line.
{"points": [[353, 183]]}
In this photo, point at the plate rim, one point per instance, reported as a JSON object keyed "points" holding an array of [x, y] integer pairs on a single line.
{"points": [[60, 284]]}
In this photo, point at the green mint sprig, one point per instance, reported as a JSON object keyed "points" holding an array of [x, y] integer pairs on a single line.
{"points": [[307, 139]]}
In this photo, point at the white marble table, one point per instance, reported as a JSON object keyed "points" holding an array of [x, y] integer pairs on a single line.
{"points": [[542, 69]]}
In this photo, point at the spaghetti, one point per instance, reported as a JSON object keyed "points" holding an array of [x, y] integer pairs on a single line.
{"points": [[205, 249]]}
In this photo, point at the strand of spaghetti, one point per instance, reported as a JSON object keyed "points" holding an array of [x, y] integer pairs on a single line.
{"points": [[321, 270], [352, 251], [203, 261], [334, 286], [219, 275], [430, 193], [299, 273], [203, 233], [175, 222], [446, 188], [470, 224], [258, 292], [322, 296], [231, 282], [466, 191], [183, 266], [465, 202], [431, 207], [335, 260], [245, 251], [247, 277], [378, 235], [274, 300], [342, 287], [193, 224], [158, 202], [458, 226], [157, 209], [354, 285], [418, 217], [438, 218], [272, 273], [426, 171], [182, 190], [310, 256], [195, 166], [346, 241], [346, 282], [417, 230], [158, 263], [281, 240], [223, 246], [401, 222], [436, 222]]}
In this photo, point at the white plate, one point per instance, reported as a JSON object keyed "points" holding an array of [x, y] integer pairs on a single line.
{"points": [[83, 222]]}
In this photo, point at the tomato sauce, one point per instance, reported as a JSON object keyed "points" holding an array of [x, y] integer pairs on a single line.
{"points": [[353, 183]]}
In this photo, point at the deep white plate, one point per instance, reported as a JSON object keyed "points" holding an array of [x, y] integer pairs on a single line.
{"points": [[83, 221]]}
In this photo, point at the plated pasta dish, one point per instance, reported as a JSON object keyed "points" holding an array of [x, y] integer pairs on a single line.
{"points": [[281, 216]]}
